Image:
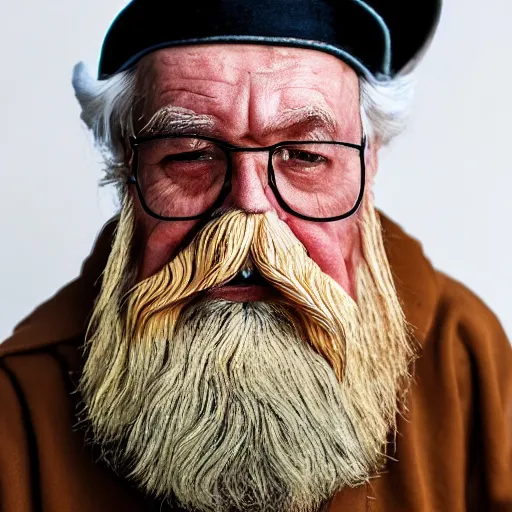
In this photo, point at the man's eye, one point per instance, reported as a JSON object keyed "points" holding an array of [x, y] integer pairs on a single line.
{"points": [[301, 156], [189, 156]]}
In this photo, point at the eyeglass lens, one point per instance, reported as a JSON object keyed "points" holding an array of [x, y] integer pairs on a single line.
{"points": [[184, 176]]}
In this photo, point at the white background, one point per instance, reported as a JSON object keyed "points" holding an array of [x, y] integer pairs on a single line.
{"points": [[447, 180]]}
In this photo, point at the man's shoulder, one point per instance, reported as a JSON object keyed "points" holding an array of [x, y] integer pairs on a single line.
{"points": [[466, 331], [454, 293], [55, 322], [65, 315], [40, 350], [458, 301], [28, 372], [432, 297]]}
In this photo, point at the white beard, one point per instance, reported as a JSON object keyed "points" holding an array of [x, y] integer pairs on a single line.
{"points": [[227, 407], [241, 414]]}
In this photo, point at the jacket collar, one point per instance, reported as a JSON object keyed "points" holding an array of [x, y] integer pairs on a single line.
{"points": [[65, 315]]}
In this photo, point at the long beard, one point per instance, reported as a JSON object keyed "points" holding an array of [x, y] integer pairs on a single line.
{"points": [[259, 406]]}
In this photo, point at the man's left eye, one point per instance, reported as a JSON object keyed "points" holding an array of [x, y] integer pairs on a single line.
{"points": [[301, 155]]}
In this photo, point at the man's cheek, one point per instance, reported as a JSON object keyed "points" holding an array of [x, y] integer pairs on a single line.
{"points": [[334, 247], [158, 243]]}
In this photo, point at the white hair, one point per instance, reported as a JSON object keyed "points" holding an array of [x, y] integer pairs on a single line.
{"points": [[385, 107], [108, 108]]}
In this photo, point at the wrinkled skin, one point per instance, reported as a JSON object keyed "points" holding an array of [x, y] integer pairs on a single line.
{"points": [[245, 87]]}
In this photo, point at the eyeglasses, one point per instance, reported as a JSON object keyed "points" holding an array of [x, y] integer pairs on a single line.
{"points": [[181, 177]]}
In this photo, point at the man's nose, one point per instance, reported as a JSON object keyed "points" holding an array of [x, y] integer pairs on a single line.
{"points": [[249, 183]]}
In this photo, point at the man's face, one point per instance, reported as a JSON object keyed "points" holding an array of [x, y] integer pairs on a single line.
{"points": [[248, 92], [218, 396]]}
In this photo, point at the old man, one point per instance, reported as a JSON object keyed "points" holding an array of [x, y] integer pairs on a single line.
{"points": [[249, 333]]}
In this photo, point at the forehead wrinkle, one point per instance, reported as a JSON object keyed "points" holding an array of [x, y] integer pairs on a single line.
{"points": [[171, 119], [305, 118]]}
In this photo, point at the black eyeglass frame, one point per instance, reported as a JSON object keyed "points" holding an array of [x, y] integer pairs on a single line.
{"points": [[226, 187]]}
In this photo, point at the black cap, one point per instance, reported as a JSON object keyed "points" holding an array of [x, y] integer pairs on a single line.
{"points": [[375, 37]]}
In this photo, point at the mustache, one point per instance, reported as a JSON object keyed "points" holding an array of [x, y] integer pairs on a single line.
{"points": [[312, 300]]}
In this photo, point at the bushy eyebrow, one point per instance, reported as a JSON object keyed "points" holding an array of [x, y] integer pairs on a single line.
{"points": [[171, 120], [303, 120]]}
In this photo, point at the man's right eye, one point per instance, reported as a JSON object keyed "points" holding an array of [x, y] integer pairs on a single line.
{"points": [[189, 156]]}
